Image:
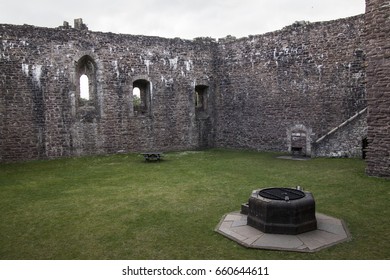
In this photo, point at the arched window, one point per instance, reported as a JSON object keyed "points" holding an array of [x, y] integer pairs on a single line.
{"points": [[141, 97], [84, 87], [86, 78], [86, 73], [136, 96]]}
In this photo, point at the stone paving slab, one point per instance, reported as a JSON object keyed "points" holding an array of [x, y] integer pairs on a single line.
{"points": [[330, 231], [293, 158]]}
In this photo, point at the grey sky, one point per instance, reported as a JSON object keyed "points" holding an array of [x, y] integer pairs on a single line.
{"points": [[178, 18]]}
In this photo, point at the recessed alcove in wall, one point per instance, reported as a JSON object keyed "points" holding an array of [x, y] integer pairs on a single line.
{"points": [[299, 140], [201, 98], [202, 113]]}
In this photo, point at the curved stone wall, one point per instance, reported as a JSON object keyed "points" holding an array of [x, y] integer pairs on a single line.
{"points": [[378, 87], [250, 92]]}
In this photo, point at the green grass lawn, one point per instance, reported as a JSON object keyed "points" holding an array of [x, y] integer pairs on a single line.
{"points": [[120, 207]]}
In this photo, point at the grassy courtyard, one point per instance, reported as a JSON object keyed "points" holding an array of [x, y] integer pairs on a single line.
{"points": [[120, 207]]}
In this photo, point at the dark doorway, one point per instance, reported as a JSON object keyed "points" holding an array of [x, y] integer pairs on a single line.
{"points": [[298, 143], [364, 147]]}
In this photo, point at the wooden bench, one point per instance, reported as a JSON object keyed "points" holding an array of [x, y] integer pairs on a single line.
{"points": [[151, 156]]}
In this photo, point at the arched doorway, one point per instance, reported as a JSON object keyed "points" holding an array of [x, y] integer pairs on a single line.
{"points": [[299, 140]]}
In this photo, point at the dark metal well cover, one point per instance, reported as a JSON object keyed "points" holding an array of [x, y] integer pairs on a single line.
{"points": [[281, 194]]}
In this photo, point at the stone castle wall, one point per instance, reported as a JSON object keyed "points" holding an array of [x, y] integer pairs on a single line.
{"points": [[349, 139], [378, 87], [307, 75], [43, 116], [264, 92]]}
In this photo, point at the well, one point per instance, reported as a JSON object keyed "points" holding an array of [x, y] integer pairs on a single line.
{"points": [[281, 211]]}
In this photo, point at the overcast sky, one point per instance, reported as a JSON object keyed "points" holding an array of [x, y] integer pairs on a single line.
{"points": [[186, 19]]}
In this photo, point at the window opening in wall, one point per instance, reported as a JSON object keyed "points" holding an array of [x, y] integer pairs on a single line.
{"points": [[200, 98], [84, 87], [141, 97], [136, 97], [87, 103]]}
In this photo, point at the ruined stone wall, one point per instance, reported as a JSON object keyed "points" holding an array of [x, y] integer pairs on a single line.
{"points": [[308, 77], [346, 140], [378, 87], [264, 92], [43, 116]]}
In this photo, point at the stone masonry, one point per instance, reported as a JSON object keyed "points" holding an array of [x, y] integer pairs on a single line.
{"points": [[378, 87], [280, 91], [303, 80], [43, 116]]}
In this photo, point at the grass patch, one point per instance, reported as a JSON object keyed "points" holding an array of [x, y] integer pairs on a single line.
{"points": [[120, 207]]}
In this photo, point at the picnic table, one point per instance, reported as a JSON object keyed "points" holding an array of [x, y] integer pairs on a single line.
{"points": [[149, 156]]}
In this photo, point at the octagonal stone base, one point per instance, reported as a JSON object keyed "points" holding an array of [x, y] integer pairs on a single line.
{"points": [[330, 231]]}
